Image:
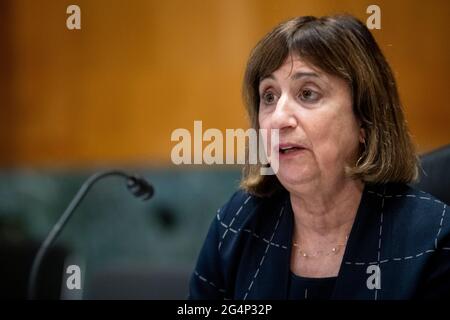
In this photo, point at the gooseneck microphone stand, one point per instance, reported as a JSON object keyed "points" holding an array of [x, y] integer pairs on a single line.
{"points": [[138, 186]]}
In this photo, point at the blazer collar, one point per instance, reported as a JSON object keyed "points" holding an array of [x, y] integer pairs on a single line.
{"points": [[362, 245]]}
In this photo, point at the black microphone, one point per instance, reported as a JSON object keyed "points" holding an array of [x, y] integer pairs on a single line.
{"points": [[138, 186]]}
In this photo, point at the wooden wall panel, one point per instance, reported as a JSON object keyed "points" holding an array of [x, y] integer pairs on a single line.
{"points": [[112, 92]]}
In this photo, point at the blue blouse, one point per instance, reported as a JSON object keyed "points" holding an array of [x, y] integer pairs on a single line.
{"points": [[301, 288]]}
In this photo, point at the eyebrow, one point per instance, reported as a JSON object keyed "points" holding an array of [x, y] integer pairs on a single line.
{"points": [[299, 75], [295, 76]]}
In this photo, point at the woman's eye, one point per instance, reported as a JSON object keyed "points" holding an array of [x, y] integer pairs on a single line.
{"points": [[268, 97], [309, 95]]}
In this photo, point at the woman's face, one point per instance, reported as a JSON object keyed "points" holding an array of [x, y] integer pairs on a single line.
{"points": [[318, 131]]}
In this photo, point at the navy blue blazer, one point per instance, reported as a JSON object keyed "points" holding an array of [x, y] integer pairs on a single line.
{"points": [[403, 231]]}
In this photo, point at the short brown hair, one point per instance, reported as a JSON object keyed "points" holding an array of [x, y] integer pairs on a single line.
{"points": [[340, 45]]}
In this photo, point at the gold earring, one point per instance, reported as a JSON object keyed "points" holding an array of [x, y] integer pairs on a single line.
{"points": [[362, 153]]}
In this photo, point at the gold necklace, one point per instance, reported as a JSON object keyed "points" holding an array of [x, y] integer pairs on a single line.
{"points": [[320, 253]]}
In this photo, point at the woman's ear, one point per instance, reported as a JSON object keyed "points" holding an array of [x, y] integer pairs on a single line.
{"points": [[362, 135], [362, 132]]}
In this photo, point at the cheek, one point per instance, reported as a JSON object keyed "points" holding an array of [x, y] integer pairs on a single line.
{"points": [[335, 137], [266, 133], [263, 121]]}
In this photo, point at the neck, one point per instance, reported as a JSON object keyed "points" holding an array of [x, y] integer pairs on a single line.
{"points": [[325, 212]]}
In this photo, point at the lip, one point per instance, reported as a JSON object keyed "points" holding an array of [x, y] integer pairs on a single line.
{"points": [[289, 144], [292, 153]]}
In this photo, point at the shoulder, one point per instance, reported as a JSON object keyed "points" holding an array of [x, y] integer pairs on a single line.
{"points": [[419, 232], [413, 216], [244, 209], [241, 219], [408, 202]]}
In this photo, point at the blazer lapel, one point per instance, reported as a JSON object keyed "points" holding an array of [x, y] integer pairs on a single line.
{"points": [[270, 279], [271, 257], [362, 250]]}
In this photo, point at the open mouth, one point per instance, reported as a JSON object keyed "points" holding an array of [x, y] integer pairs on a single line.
{"points": [[285, 150]]}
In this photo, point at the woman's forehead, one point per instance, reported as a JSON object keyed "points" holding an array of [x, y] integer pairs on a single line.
{"points": [[295, 67]]}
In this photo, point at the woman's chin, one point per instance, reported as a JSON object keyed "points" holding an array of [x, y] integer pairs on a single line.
{"points": [[294, 177]]}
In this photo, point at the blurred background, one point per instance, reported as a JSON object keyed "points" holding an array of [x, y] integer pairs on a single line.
{"points": [[73, 102]]}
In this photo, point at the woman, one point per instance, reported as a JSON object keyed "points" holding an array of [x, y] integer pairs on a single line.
{"points": [[338, 220]]}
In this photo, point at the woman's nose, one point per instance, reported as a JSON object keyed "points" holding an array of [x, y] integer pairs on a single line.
{"points": [[283, 115]]}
